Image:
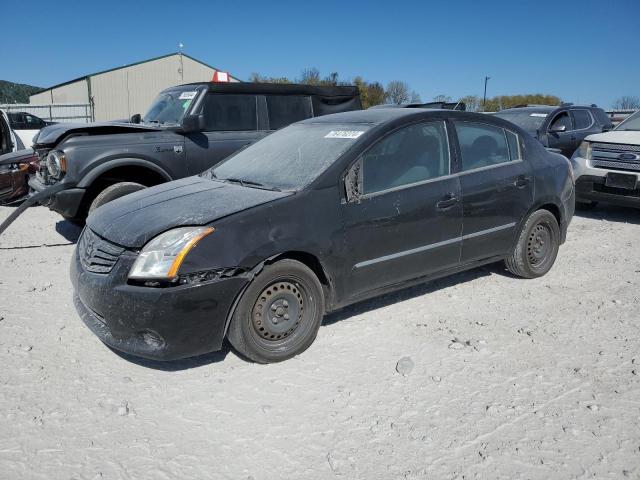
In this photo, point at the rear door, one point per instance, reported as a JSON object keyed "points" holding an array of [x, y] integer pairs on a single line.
{"points": [[408, 221], [497, 189], [231, 123]]}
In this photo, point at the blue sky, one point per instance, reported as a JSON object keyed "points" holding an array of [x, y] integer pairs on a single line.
{"points": [[583, 51]]}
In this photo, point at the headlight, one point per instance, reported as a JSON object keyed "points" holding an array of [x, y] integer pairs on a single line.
{"points": [[584, 150], [161, 257], [56, 164]]}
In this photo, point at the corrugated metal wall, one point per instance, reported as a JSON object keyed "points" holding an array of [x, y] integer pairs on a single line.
{"points": [[120, 93]]}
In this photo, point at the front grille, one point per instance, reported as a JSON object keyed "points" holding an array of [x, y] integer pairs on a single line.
{"points": [[97, 255], [607, 155]]}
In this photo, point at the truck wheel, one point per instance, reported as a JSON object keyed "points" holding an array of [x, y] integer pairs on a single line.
{"points": [[537, 246], [279, 313], [114, 191]]}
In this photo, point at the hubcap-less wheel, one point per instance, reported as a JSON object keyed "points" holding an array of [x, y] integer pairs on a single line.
{"points": [[539, 245], [278, 311]]}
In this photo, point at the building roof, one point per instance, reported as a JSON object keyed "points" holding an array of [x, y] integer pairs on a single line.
{"points": [[130, 65]]}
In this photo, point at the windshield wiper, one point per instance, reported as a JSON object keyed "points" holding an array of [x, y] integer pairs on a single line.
{"points": [[250, 183]]}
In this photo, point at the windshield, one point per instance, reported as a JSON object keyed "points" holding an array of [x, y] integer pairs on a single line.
{"points": [[291, 158], [528, 121], [169, 107], [631, 123]]}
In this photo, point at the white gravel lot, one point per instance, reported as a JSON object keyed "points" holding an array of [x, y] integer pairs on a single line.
{"points": [[511, 378]]}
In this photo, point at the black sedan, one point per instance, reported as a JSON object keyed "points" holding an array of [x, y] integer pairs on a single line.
{"points": [[319, 215]]}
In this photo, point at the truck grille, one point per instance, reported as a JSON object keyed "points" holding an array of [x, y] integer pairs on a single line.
{"points": [[97, 255], [607, 155]]}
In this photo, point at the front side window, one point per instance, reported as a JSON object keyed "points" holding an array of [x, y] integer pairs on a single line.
{"points": [[230, 112], [287, 109], [561, 120], [582, 119], [412, 154], [482, 145]]}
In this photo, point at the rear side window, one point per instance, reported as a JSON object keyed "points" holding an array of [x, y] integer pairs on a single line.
{"points": [[410, 155], [287, 109], [482, 145], [224, 113], [582, 119], [515, 145]]}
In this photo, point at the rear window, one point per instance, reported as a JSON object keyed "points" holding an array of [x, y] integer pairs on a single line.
{"points": [[287, 109], [582, 119], [224, 113]]}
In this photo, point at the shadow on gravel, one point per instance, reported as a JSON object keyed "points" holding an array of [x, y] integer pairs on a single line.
{"points": [[413, 292], [177, 365], [612, 213], [70, 231]]}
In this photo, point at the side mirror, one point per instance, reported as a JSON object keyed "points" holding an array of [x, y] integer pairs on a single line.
{"points": [[136, 118], [558, 129], [193, 123], [353, 183]]}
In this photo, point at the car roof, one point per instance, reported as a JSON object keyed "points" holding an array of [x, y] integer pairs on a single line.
{"points": [[531, 108], [276, 88]]}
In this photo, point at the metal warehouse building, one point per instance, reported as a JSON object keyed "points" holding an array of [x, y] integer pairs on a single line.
{"points": [[121, 92]]}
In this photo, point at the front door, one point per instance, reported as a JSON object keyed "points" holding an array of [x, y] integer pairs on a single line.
{"points": [[408, 220], [497, 189], [231, 123]]}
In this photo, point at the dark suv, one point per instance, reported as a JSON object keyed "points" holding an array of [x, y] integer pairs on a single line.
{"points": [[561, 127], [187, 129]]}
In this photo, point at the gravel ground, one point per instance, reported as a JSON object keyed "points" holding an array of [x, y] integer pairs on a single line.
{"points": [[480, 375]]}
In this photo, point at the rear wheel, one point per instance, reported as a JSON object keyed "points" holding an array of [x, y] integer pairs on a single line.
{"points": [[279, 314], [537, 246], [114, 191]]}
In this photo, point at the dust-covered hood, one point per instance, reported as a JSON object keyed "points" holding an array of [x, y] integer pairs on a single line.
{"points": [[52, 134], [628, 137], [131, 221]]}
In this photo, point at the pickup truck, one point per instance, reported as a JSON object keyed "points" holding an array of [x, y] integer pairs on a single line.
{"points": [[188, 129]]}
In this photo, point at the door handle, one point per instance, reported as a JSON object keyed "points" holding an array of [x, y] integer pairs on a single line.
{"points": [[449, 200], [522, 181]]}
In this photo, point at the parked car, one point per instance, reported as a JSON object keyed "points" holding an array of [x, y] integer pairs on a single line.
{"points": [[440, 105], [318, 215], [187, 129], [560, 127], [15, 163], [607, 166], [26, 126]]}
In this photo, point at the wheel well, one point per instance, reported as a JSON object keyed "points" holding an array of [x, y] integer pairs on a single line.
{"points": [[129, 173], [314, 264], [553, 209]]}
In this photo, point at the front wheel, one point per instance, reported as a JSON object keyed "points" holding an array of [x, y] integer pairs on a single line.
{"points": [[114, 191], [537, 247], [279, 314]]}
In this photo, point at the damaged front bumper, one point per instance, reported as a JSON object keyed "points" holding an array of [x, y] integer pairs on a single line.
{"points": [[156, 323], [66, 202]]}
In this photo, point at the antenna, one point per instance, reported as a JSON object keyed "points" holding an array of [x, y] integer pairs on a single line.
{"points": [[181, 69]]}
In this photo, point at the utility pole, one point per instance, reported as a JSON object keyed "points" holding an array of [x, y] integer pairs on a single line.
{"points": [[484, 98], [181, 69]]}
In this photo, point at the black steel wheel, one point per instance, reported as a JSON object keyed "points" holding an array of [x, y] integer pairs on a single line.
{"points": [[279, 314], [537, 246]]}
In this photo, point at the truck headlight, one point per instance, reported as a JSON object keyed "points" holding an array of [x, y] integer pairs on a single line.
{"points": [[56, 164], [161, 257], [584, 150]]}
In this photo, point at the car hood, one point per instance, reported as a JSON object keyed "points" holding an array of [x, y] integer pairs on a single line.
{"points": [[616, 136], [133, 220], [52, 134]]}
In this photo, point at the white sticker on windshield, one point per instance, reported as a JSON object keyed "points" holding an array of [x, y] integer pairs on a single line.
{"points": [[187, 95], [352, 134], [538, 115]]}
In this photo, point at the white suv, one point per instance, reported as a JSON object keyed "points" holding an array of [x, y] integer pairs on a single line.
{"points": [[607, 166]]}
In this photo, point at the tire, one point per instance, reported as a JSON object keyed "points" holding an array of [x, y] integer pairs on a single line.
{"points": [[292, 297], [114, 191], [537, 246], [589, 205]]}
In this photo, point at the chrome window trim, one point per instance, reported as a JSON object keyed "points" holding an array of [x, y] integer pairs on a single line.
{"points": [[431, 246], [364, 196]]}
